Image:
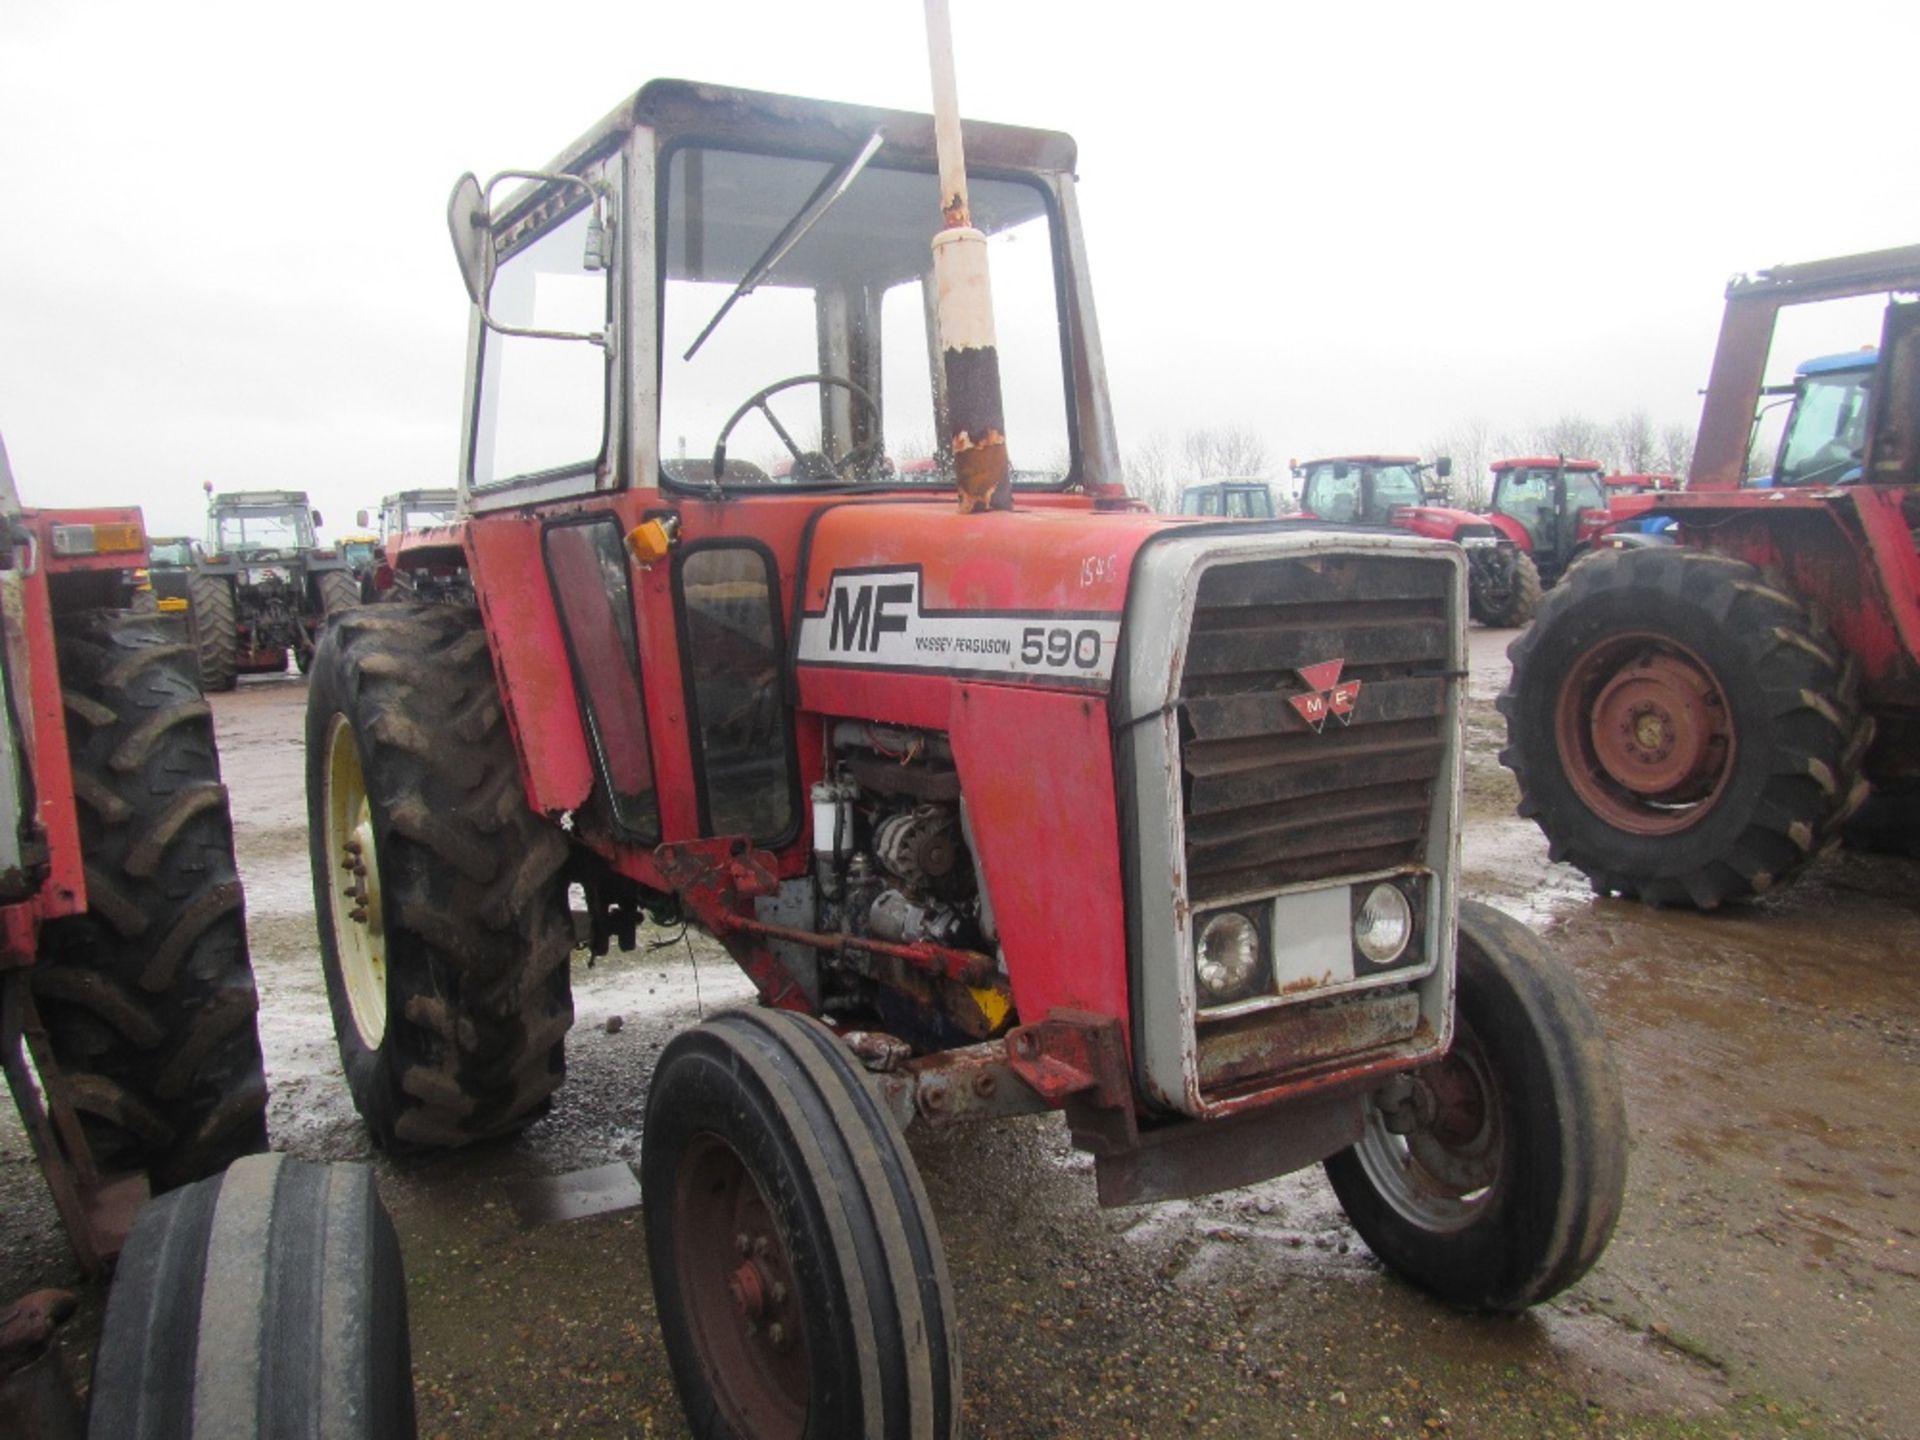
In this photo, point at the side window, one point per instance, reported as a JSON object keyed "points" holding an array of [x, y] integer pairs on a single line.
{"points": [[588, 567], [743, 748], [543, 403]]}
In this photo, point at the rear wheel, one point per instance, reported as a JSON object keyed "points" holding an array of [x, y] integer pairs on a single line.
{"points": [[1496, 1184], [215, 628], [337, 591], [799, 1276], [1680, 730], [444, 933], [269, 1301], [148, 997]]}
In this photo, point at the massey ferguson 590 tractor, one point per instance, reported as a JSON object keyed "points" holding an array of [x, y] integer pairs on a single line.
{"points": [[1015, 802], [249, 1292], [1389, 490], [1692, 723]]}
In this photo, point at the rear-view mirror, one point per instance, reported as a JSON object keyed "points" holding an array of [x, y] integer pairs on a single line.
{"points": [[1443, 467], [359, 519], [317, 521], [472, 230]]}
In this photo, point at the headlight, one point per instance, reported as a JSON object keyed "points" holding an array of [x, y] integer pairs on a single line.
{"points": [[1229, 956], [1384, 925]]}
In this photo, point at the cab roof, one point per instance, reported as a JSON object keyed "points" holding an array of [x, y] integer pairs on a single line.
{"points": [[1845, 361], [1363, 460], [1545, 462], [262, 497]]}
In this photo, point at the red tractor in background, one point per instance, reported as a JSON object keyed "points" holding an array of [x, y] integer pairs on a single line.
{"points": [[1692, 723], [1551, 507], [1390, 492], [128, 1040], [1005, 805]]}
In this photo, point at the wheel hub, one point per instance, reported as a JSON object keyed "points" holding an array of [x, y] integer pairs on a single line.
{"points": [[1645, 734], [738, 1282], [1437, 1157], [359, 929]]}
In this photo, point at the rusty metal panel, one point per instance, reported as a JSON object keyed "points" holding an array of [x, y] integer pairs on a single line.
{"points": [[1200, 1157], [1271, 1042]]}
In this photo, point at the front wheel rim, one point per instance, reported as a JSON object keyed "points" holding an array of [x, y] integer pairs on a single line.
{"points": [[738, 1292], [353, 886], [1443, 1173]]}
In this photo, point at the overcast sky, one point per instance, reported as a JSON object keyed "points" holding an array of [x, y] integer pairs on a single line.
{"points": [[224, 253]]}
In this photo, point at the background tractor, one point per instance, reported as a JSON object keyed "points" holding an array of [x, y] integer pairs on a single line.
{"points": [[1692, 723], [128, 1040], [1390, 491], [262, 585], [1552, 508], [1235, 499], [1004, 803]]}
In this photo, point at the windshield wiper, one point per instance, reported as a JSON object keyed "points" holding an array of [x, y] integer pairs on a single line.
{"points": [[821, 201]]}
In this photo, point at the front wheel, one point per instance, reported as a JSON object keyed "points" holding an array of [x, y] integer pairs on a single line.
{"points": [[1496, 1180], [800, 1280], [1506, 601], [215, 627]]}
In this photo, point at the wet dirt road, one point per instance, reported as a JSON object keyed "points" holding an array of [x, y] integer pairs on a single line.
{"points": [[1765, 1278]]}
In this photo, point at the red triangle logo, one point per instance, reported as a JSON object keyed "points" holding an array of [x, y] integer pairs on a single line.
{"points": [[1323, 676]]}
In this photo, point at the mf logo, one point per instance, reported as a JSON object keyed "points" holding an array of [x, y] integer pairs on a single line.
{"points": [[1325, 695], [862, 613]]}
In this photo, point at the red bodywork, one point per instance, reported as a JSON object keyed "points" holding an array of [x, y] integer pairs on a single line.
{"points": [[1589, 523], [1847, 550], [1435, 522], [1034, 760]]}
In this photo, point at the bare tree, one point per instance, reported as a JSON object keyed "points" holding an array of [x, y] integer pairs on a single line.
{"points": [[1676, 449], [1470, 445], [1158, 469], [1574, 436], [1635, 448]]}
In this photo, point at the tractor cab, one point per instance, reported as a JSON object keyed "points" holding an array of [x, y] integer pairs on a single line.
{"points": [[1234, 499], [1539, 502], [260, 524], [1827, 428], [1361, 489]]}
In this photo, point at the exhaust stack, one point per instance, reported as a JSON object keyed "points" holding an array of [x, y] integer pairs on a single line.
{"points": [[964, 302]]}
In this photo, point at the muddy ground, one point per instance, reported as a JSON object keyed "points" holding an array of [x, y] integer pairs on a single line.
{"points": [[1765, 1279]]}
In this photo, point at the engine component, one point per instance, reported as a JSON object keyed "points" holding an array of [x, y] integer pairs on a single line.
{"points": [[832, 832], [893, 916], [919, 847]]}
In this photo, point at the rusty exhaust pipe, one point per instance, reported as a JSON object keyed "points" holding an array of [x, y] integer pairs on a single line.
{"points": [[964, 302]]}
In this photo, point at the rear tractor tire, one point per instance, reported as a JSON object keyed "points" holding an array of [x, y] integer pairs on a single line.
{"points": [[441, 898], [799, 1276], [148, 998], [215, 627], [1498, 1184], [269, 1302], [1681, 730], [337, 591]]}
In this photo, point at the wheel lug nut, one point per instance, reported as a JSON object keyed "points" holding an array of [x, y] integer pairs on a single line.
{"points": [[777, 1333], [742, 1243], [759, 1244], [777, 1293]]}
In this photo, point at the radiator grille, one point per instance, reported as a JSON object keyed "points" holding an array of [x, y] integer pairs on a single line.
{"points": [[1267, 801]]}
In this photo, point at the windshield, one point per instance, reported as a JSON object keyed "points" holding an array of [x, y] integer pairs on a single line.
{"points": [[1344, 493], [416, 515], [170, 555], [851, 301], [1827, 431], [259, 528], [1584, 491]]}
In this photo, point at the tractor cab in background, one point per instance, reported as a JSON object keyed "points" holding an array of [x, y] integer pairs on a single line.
{"points": [[1826, 430], [1541, 503], [1234, 499]]}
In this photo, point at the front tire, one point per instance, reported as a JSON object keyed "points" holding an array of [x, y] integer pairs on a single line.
{"points": [[215, 627], [148, 998], [1516, 602], [269, 1301], [800, 1279], [1506, 1188], [1680, 730], [444, 933]]}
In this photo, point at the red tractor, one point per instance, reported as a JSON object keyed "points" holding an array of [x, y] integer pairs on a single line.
{"points": [[128, 1040], [1027, 802], [1692, 723], [1553, 508], [1390, 491]]}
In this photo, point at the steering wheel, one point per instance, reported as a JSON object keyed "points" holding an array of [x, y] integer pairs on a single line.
{"points": [[807, 464]]}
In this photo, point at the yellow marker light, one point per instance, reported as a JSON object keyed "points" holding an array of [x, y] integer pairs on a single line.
{"points": [[97, 539], [650, 540]]}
